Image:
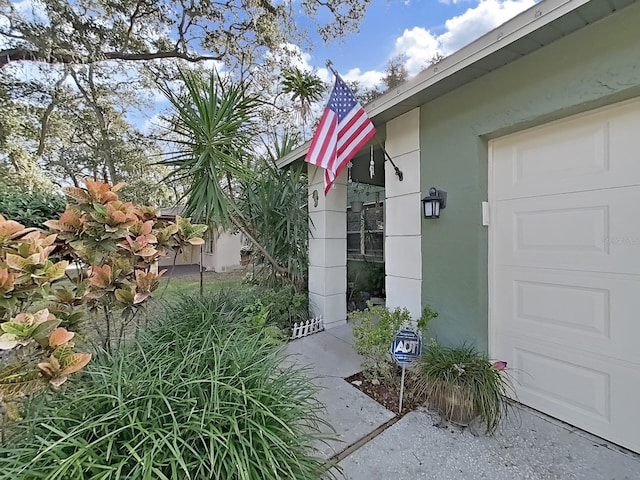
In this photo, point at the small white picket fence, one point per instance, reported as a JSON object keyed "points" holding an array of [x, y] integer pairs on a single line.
{"points": [[302, 329]]}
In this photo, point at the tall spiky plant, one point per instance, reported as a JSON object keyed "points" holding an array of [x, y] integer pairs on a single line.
{"points": [[274, 203], [213, 126]]}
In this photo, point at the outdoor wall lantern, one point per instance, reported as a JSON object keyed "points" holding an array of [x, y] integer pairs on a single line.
{"points": [[433, 203]]}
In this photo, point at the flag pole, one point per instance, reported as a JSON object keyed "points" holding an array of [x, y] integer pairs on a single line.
{"points": [[387, 156], [330, 67]]}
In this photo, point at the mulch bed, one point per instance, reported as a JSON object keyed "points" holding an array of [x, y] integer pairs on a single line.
{"points": [[387, 394]]}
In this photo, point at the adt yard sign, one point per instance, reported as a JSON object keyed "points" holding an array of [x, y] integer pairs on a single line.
{"points": [[406, 347]]}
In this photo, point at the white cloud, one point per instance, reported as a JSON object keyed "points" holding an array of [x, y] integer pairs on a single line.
{"points": [[475, 22], [154, 124], [368, 79], [295, 57], [291, 55], [216, 65], [455, 2], [31, 10], [420, 45]]}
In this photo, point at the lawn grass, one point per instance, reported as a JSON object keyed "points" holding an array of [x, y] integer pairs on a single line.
{"points": [[90, 333], [173, 287]]}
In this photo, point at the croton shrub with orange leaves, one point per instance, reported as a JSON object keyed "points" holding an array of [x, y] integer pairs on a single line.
{"points": [[116, 246]]}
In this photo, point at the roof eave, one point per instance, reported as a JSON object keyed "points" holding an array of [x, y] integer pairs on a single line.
{"points": [[414, 93]]}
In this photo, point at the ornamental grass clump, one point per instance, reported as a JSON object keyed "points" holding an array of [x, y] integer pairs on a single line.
{"points": [[200, 396], [463, 384]]}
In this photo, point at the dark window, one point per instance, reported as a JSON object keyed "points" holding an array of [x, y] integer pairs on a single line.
{"points": [[365, 232]]}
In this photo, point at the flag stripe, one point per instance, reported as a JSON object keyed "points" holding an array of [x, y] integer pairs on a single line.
{"points": [[348, 132], [354, 136], [328, 147], [318, 153], [351, 139], [317, 147], [352, 148], [352, 122], [327, 182]]}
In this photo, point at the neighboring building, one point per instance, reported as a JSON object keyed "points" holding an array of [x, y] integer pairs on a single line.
{"points": [[540, 118], [220, 252]]}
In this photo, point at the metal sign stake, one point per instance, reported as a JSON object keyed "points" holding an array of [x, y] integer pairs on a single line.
{"points": [[401, 389], [405, 349]]}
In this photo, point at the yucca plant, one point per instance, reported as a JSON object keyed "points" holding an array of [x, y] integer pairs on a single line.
{"points": [[274, 203], [200, 396], [462, 384], [213, 127]]}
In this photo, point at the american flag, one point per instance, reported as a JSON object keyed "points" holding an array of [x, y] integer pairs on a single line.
{"points": [[343, 130]]}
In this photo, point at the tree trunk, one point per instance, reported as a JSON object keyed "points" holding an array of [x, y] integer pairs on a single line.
{"points": [[280, 269], [105, 144]]}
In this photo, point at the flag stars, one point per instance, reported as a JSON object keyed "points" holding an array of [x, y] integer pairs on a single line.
{"points": [[342, 100]]}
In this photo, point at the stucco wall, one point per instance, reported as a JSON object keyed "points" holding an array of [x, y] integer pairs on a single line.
{"points": [[402, 215], [226, 253], [598, 65], [190, 256], [225, 256]]}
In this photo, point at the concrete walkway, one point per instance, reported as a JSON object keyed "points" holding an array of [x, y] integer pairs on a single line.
{"points": [[331, 358], [529, 445]]}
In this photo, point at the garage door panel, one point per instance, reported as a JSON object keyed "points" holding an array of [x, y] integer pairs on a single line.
{"points": [[565, 268], [596, 151], [574, 387], [589, 392], [574, 309], [588, 231], [582, 310]]}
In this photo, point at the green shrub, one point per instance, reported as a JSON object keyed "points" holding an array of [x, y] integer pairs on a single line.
{"points": [[200, 396], [373, 331], [286, 305], [31, 209], [428, 314], [463, 384]]}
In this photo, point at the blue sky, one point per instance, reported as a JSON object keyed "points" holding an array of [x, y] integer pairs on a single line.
{"points": [[385, 22], [417, 28]]}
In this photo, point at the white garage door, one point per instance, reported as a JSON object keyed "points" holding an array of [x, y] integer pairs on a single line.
{"points": [[564, 262]]}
